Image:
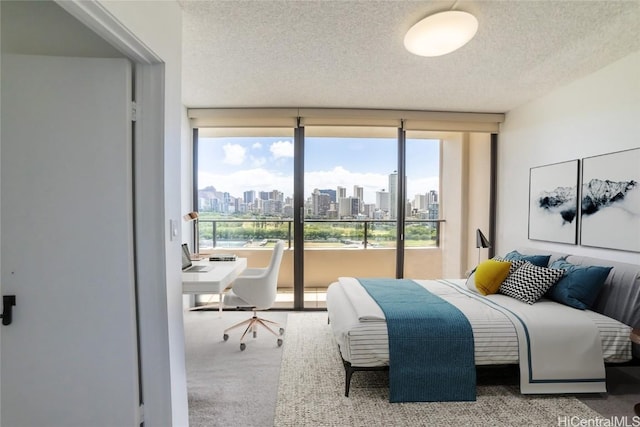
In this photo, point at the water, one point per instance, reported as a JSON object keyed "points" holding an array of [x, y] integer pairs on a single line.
{"points": [[208, 243]]}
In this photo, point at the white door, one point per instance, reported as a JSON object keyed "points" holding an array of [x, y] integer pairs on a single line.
{"points": [[70, 356]]}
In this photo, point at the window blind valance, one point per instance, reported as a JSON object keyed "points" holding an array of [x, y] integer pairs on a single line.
{"points": [[243, 117], [288, 117], [218, 132], [349, 117]]}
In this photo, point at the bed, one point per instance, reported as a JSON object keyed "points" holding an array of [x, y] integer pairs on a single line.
{"points": [[566, 348]]}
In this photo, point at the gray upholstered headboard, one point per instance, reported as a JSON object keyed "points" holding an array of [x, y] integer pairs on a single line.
{"points": [[620, 295]]}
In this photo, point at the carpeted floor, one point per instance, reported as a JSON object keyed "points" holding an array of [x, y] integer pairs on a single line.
{"points": [[311, 388], [226, 386], [302, 384]]}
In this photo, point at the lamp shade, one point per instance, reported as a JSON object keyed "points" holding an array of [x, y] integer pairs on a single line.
{"points": [[190, 216], [441, 33], [481, 240]]}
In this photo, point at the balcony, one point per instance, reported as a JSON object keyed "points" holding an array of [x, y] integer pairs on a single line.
{"points": [[332, 248]]}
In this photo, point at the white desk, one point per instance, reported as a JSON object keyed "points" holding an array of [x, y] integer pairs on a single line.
{"points": [[214, 281]]}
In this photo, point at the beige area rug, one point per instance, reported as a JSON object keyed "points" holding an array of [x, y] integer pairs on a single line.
{"points": [[311, 393], [229, 387]]}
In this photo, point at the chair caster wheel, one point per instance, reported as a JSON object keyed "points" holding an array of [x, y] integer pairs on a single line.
{"points": [[281, 331], [225, 337], [279, 342], [242, 346], [255, 334]]}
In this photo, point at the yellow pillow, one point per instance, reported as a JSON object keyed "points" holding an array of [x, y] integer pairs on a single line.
{"points": [[490, 274]]}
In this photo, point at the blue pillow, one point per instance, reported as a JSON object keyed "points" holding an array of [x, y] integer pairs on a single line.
{"points": [[580, 285], [539, 260]]}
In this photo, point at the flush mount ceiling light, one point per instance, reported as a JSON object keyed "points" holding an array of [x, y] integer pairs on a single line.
{"points": [[441, 33]]}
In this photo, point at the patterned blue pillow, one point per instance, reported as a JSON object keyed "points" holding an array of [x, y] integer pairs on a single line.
{"points": [[580, 285], [539, 260]]}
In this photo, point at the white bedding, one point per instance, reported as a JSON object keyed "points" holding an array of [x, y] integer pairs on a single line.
{"points": [[361, 333]]}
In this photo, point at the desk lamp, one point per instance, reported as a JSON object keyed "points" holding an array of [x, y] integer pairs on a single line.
{"points": [[193, 216]]}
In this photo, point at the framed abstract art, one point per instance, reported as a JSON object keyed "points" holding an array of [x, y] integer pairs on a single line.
{"points": [[553, 202], [610, 201]]}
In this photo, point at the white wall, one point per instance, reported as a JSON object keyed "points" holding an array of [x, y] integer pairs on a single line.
{"points": [[595, 115], [478, 185], [453, 202]]}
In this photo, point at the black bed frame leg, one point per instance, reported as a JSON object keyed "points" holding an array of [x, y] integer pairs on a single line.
{"points": [[349, 370], [347, 381]]}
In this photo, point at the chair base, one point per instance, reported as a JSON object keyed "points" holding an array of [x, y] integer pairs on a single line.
{"points": [[252, 325]]}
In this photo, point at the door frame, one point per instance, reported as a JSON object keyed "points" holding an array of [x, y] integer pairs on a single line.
{"points": [[149, 207]]}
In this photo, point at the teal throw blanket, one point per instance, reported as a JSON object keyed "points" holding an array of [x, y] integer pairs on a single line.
{"points": [[431, 354]]}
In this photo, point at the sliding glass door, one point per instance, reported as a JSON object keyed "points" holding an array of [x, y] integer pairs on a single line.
{"points": [[363, 193], [244, 197], [422, 212], [350, 187]]}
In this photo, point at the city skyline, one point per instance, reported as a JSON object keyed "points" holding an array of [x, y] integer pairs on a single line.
{"points": [[323, 203], [235, 165]]}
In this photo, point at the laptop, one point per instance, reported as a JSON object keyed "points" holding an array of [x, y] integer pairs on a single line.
{"points": [[187, 265]]}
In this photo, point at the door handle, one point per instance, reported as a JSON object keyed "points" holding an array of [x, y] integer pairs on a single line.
{"points": [[8, 301]]}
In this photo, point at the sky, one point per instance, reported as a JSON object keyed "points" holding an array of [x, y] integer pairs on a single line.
{"points": [[238, 164]]}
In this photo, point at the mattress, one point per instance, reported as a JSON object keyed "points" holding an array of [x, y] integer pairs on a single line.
{"points": [[365, 343]]}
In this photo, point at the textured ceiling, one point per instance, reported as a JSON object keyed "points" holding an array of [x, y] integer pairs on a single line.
{"points": [[349, 54]]}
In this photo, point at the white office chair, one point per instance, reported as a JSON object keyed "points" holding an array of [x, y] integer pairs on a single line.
{"points": [[256, 289]]}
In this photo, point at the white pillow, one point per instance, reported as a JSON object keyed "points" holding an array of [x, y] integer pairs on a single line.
{"points": [[471, 282]]}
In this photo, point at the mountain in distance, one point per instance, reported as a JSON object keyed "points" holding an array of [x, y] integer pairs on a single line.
{"points": [[598, 194], [561, 200]]}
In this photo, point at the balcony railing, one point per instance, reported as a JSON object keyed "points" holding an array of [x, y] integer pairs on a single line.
{"points": [[332, 248], [319, 233]]}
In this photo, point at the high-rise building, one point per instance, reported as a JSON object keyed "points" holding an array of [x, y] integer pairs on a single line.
{"points": [[355, 206], [382, 200], [272, 207], [420, 202], [249, 197], [358, 193], [369, 210], [393, 195], [349, 207], [341, 193], [331, 193], [320, 203], [433, 204]]}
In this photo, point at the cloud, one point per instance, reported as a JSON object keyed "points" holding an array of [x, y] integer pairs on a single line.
{"points": [[339, 176], [281, 149], [256, 145], [422, 185], [258, 179], [234, 154], [257, 162]]}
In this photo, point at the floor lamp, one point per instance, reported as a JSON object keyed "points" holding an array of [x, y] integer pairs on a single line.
{"points": [[481, 242], [193, 216]]}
